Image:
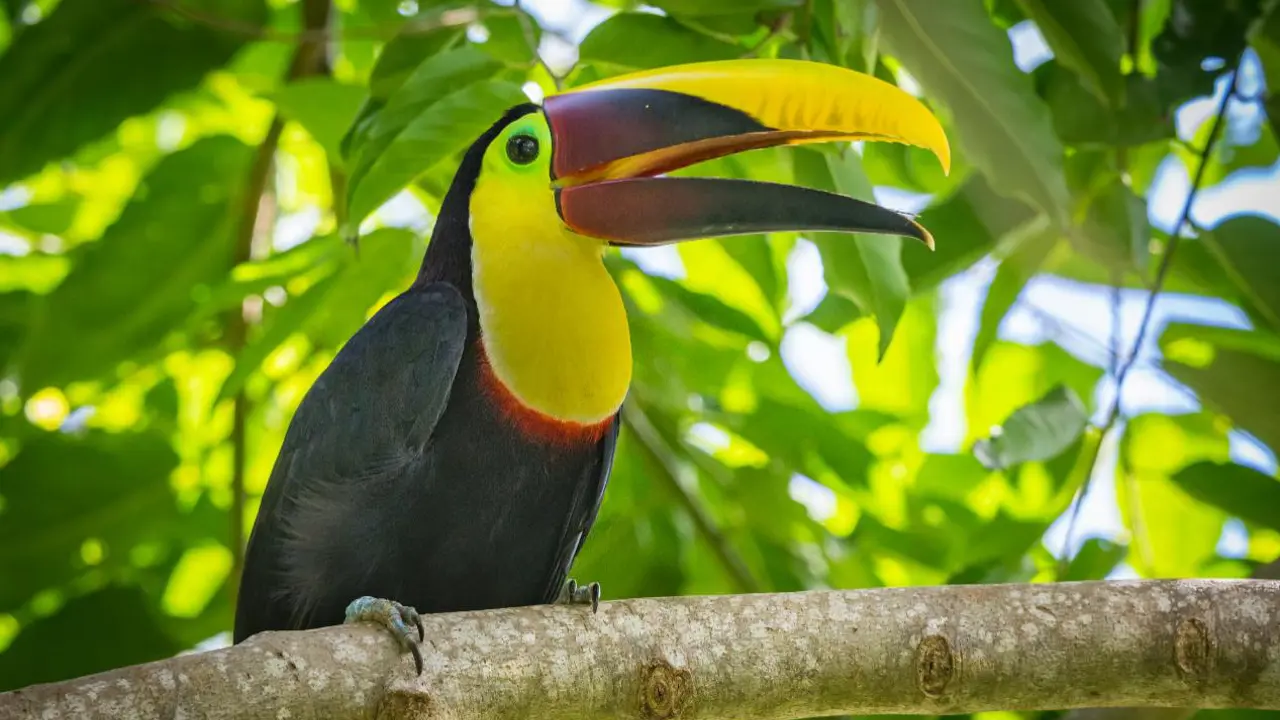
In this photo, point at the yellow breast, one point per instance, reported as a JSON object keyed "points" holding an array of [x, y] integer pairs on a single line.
{"points": [[551, 319]]}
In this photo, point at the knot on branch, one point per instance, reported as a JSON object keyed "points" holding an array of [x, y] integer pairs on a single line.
{"points": [[935, 665], [1193, 650], [665, 691]]}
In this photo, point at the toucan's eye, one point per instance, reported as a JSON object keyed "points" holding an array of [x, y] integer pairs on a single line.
{"points": [[522, 149]]}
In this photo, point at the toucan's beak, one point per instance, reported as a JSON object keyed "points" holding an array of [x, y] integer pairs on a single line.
{"points": [[612, 137]]}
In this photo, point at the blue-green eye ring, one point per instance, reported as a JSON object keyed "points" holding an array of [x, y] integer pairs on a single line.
{"points": [[522, 149]]}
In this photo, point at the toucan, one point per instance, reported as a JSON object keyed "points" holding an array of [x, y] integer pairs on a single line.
{"points": [[455, 452]]}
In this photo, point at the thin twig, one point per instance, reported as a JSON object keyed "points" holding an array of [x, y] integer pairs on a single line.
{"points": [[415, 26], [660, 458], [531, 38], [309, 59], [1162, 272]]}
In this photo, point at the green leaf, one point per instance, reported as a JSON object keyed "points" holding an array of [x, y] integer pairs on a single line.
{"points": [[1231, 381], [644, 41], [125, 632], [722, 7], [333, 309], [380, 121], [965, 62], [866, 268], [61, 492], [711, 310], [1095, 560], [177, 233], [63, 83], [422, 125], [1038, 431], [1080, 118], [1241, 491], [53, 218], [1013, 274], [508, 41], [968, 224], [325, 107], [833, 313], [1084, 36], [1246, 246], [413, 45]]}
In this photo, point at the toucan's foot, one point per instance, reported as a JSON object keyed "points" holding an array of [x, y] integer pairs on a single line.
{"points": [[399, 619], [574, 594]]}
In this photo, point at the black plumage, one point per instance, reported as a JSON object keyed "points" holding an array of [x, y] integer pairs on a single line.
{"points": [[401, 478]]}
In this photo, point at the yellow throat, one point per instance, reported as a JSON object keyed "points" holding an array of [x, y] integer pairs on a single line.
{"points": [[551, 319]]}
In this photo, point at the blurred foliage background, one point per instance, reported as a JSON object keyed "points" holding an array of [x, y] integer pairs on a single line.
{"points": [[179, 176]]}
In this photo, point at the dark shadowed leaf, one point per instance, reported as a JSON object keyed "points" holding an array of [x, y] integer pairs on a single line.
{"points": [[1084, 36], [1038, 431], [177, 234], [1246, 246], [966, 225], [1241, 491], [61, 492], [75, 76], [125, 632], [966, 63]]}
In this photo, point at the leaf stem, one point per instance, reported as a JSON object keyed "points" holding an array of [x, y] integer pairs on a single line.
{"points": [[255, 224], [661, 459]]}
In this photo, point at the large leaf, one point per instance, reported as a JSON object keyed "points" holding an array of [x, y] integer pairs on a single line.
{"points": [[1231, 380], [967, 225], [73, 77], [966, 62], [124, 632], [1085, 37], [866, 268], [1241, 491], [643, 40], [1038, 431], [325, 107], [131, 287], [1246, 246], [443, 107], [61, 492]]}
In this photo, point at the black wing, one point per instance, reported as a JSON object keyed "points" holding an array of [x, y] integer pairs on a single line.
{"points": [[582, 513], [356, 435]]}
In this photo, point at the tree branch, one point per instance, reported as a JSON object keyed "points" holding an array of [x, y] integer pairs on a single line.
{"points": [[309, 59], [926, 650]]}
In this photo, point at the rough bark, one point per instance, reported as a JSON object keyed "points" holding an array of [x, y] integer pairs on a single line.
{"points": [[1184, 643]]}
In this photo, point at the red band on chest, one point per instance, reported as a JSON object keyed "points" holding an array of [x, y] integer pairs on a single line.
{"points": [[531, 423]]}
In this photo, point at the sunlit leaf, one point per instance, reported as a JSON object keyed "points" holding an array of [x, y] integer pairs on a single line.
{"points": [[324, 107], [866, 268], [1095, 560], [177, 234]]}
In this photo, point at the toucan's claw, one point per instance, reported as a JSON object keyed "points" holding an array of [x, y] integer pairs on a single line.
{"points": [[399, 619], [574, 594]]}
